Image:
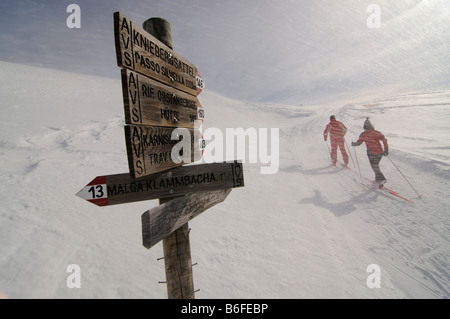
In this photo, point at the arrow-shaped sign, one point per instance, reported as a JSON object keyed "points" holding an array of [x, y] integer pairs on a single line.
{"points": [[161, 221], [138, 50], [151, 149], [123, 188], [148, 102]]}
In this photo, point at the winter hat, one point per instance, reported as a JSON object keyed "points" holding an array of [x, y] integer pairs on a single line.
{"points": [[368, 125], [332, 117]]}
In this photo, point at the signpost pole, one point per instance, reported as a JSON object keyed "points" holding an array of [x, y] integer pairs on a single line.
{"points": [[178, 263], [177, 249]]}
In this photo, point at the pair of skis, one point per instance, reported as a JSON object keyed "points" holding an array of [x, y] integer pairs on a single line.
{"points": [[390, 191], [380, 187]]}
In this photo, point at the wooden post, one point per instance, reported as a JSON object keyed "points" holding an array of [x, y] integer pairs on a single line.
{"points": [[177, 248], [178, 263], [160, 29]]}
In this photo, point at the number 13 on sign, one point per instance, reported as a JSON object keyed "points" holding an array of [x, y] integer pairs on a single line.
{"points": [[95, 192]]}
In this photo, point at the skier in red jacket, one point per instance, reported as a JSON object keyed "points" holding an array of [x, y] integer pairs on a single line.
{"points": [[375, 151], [337, 131]]}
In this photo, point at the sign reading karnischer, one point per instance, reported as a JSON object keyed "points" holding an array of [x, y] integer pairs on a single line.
{"points": [[153, 149]]}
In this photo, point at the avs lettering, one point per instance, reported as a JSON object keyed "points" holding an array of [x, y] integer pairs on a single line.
{"points": [[138, 50]]}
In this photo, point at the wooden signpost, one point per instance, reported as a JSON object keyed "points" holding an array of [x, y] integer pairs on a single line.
{"points": [[160, 91]]}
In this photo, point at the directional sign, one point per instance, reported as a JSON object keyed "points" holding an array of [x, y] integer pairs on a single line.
{"points": [[153, 149], [138, 50], [123, 188], [148, 102], [159, 222]]}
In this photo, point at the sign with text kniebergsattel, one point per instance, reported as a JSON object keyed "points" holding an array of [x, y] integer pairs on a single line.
{"points": [[138, 50], [148, 102], [123, 188]]}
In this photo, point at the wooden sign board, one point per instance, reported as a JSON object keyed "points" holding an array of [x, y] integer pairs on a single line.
{"points": [[148, 102], [149, 149], [159, 222], [138, 50], [123, 188]]}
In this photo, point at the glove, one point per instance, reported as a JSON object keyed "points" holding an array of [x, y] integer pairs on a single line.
{"points": [[325, 139], [386, 152], [354, 144]]}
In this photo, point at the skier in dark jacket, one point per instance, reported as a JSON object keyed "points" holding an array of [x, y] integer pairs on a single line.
{"points": [[375, 151], [337, 131]]}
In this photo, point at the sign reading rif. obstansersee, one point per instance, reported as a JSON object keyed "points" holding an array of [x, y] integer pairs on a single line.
{"points": [[138, 50], [148, 102]]}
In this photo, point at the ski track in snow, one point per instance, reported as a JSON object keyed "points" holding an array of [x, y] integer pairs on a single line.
{"points": [[409, 241], [309, 231]]}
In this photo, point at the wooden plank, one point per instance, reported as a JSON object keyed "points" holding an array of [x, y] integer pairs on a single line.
{"points": [[138, 50], [123, 188], [159, 222], [147, 102], [150, 148]]}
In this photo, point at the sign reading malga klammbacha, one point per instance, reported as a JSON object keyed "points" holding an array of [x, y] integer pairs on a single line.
{"points": [[123, 188], [139, 51]]}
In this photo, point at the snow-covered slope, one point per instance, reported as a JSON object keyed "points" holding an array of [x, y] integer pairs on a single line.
{"points": [[308, 231]]}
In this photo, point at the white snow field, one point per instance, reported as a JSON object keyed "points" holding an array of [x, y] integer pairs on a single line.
{"points": [[309, 231]]}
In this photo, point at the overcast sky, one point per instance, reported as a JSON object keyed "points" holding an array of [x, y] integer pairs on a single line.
{"points": [[287, 51]]}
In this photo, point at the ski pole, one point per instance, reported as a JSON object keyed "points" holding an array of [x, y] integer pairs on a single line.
{"points": [[404, 176], [357, 162], [329, 150], [349, 152]]}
